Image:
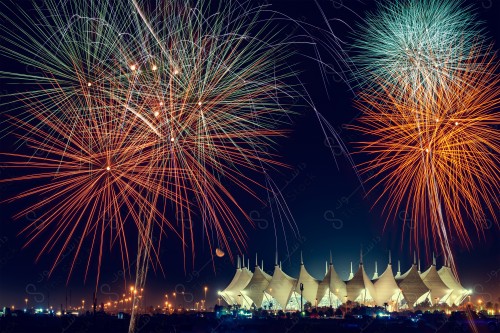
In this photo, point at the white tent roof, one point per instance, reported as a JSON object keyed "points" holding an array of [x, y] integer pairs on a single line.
{"points": [[412, 286], [385, 286], [331, 283], [280, 287], [310, 284], [241, 283], [283, 291], [438, 288], [227, 293], [360, 288], [254, 291], [240, 280], [459, 292]]}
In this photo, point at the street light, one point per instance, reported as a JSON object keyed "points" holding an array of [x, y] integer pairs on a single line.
{"points": [[142, 299], [205, 291], [26, 301], [83, 304], [301, 291]]}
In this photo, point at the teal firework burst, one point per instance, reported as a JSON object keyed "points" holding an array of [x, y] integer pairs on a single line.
{"points": [[415, 42]]}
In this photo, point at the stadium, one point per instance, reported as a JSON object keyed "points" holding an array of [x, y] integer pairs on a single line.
{"points": [[398, 291]]}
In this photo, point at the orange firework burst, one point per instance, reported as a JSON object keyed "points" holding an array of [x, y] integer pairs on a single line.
{"points": [[93, 182], [148, 114], [434, 150]]}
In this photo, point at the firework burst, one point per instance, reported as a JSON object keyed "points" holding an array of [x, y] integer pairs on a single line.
{"points": [[194, 95], [412, 42], [93, 182], [434, 149]]}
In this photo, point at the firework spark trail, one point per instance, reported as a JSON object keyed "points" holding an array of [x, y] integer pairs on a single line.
{"points": [[215, 116], [435, 149]]}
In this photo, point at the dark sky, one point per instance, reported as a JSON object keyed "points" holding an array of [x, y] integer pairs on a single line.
{"points": [[329, 205]]}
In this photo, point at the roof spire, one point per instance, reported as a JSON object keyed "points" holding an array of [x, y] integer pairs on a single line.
{"points": [[301, 258], [238, 262], [280, 264], [326, 267], [351, 275], [375, 275], [414, 257], [276, 259], [433, 259], [361, 255], [256, 262], [262, 265], [419, 263], [331, 261], [399, 267], [243, 261], [248, 262], [390, 259]]}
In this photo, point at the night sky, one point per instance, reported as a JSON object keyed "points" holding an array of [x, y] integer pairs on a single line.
{"points": [[328, 203]]}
